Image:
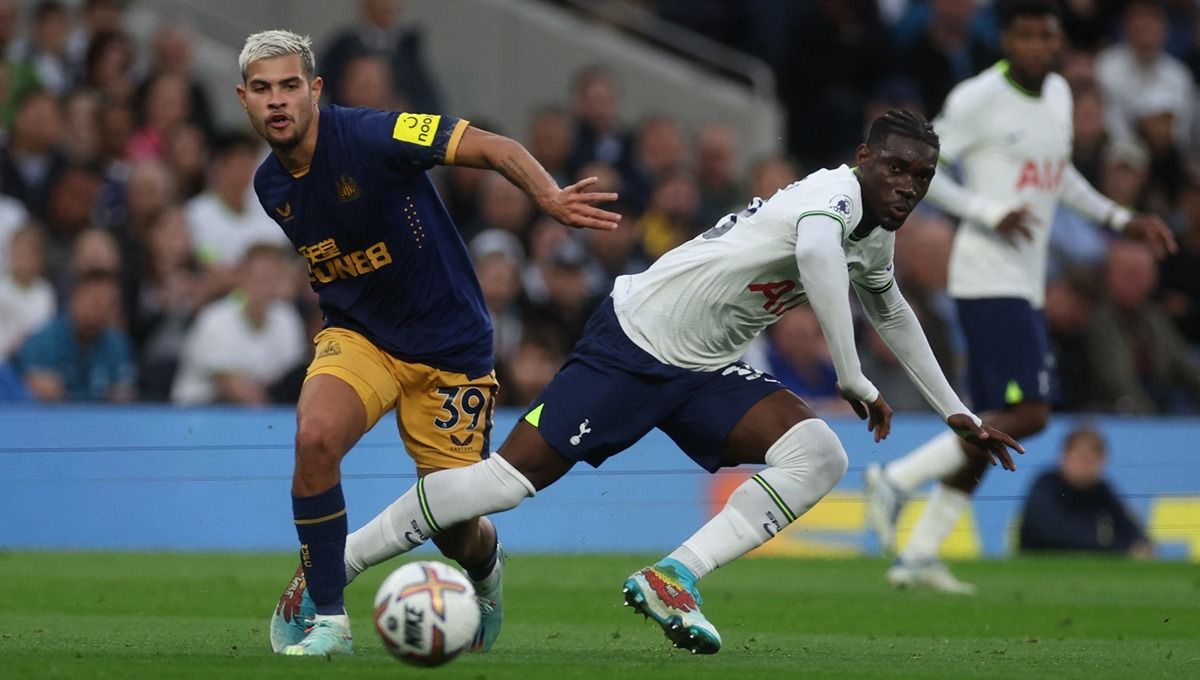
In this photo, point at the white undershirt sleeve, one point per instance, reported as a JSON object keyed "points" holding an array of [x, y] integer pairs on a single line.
{"points": [[889, 312], [823, 272], [1081, 197]]}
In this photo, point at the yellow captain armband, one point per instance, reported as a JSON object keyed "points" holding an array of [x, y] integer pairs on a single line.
{"points": [[416, 128]]}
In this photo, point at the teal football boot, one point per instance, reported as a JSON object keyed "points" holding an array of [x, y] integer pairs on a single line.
{"points": [[666, 592]]}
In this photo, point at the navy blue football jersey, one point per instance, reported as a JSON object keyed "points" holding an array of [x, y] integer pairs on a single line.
{"points": [[383, 254]]}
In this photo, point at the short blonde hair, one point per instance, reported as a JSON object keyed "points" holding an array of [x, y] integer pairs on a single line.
{"points": [[277, 43]]}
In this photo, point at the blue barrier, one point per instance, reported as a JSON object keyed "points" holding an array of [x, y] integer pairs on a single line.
{"points": [[147, 477]]}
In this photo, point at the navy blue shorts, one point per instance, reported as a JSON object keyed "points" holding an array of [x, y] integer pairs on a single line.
{"points": [[610, 393], [1008, 352]]}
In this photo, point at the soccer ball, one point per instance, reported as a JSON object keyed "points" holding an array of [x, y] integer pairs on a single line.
{"points": [[426, 613]]}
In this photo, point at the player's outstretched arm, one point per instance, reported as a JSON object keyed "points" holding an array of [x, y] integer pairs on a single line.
{"points": [[1079, 195], [574, 206], [991, 440]]}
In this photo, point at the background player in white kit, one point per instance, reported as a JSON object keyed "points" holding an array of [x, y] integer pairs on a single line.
{"points": [[1009, 129], [662, 352]]}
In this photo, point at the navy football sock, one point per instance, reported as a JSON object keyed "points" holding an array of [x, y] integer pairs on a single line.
{"points": [[321, 525], [481, 570]]}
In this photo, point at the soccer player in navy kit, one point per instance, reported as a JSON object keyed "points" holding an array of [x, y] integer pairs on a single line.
{"points": [[406, 325]]}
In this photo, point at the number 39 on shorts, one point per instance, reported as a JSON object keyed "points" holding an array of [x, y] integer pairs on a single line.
{"points": [[460, 403]]}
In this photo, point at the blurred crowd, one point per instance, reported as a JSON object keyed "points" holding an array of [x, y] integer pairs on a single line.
{"points": [[137, 264]]}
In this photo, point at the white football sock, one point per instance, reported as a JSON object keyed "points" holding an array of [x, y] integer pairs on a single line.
{"points": [[438, 501], [942, 511], [935, 459], [804, 464]]}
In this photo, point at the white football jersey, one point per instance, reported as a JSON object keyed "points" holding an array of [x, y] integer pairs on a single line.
{"points": [[699, 306], [1013, 147]]}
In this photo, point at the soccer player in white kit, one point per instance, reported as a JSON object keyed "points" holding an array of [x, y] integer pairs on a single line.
{"points": [[1009, 129], [663, 352]]}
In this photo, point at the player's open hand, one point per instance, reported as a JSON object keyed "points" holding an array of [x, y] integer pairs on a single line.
{"points": [[877, 414], [993, 442], [575, 207], [1154, 232], [1017, 224]]}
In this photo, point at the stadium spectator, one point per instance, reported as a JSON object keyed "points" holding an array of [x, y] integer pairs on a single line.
{"points": [[562, 298], [716, 172], [1154, 126], [17, 78], [171, 54], [81, 136], [1091, 133], [599, 133], [798, 356], [73, 198], [551, 138], [899, 93], [1070, 300], [149, 189], [381, 30], [1073, 509], [95, 250], [167, 105], [1088, 23], [26, 299], [672, 215], [187, 157], [501, 206], [366, 81], [538, 356], [498, 258], [169, 288], [13, 216], [660, 148], [32, 162], [946, 52], [108, 66], [45, 50], [1180, 283], [1139, 64], [839, 48], [243, 347], [116, 123], [227, 218], [1124, 171], [770, 174], [1140, 360], [616, 253], [922, 261], [82, 355], [98, 17]]}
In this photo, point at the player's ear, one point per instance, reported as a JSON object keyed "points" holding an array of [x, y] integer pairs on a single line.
{"points": [[862, 155], [318, 83]]}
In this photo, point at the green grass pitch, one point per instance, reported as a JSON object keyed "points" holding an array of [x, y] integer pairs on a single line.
{"points": [[154, 615]]}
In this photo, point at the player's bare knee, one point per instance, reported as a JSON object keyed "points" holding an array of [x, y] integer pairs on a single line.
{"points": [[316, 445]]}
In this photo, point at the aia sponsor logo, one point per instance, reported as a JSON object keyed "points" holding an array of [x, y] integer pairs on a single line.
{"points": [[1043, 176]]}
